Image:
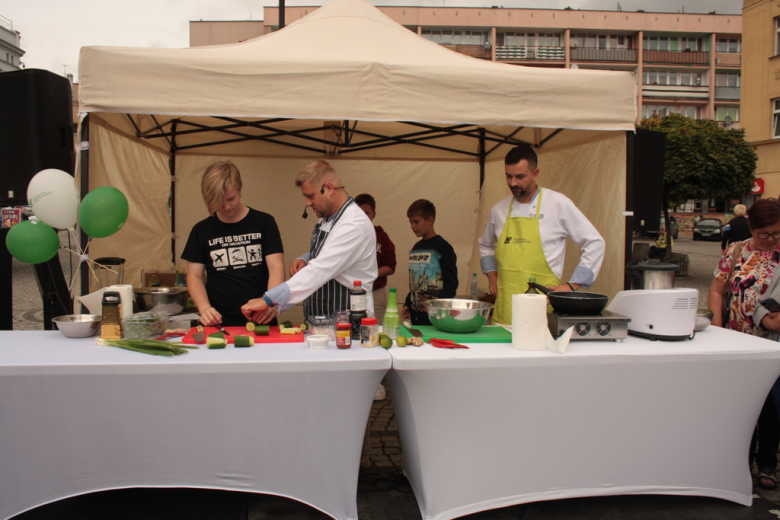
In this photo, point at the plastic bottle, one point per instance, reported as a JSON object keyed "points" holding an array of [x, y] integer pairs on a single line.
{"points": [[392, 321], [531, 290], [358, 305], [369, 332], [474, 286]]}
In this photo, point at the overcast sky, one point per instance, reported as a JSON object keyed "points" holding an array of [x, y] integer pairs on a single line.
{"points": [[53, 31]]}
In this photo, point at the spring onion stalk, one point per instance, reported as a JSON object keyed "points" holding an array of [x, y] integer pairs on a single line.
{"points": [[147, 346]]}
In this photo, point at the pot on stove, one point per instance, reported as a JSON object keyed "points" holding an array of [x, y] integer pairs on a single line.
{"points": [[651, 274]]}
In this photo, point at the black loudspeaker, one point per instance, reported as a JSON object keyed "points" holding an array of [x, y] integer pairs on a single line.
{"points": [[36, 130], [647, 150]]}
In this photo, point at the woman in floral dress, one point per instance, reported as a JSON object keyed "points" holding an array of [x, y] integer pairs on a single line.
{"points": [[754, 268]]}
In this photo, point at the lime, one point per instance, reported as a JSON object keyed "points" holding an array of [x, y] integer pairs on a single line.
{"points": [[402, 341], [304, 326], [385, 341]]}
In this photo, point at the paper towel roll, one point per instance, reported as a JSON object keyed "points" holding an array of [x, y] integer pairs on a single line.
{"points": [[529, 322], [126, 292]]}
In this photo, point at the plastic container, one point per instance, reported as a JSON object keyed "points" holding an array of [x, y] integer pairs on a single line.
{"points": [[318, 341], [369, 332], [325, 325], [145, 325]]}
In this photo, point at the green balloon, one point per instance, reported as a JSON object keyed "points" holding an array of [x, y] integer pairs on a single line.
{"points": [[32, 242], [103, 212]]}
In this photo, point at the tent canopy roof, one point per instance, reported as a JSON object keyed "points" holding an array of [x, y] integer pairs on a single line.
{"points": [[348, 61]]}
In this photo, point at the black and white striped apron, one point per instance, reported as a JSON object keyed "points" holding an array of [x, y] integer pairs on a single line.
{"points": [[332, 296]]}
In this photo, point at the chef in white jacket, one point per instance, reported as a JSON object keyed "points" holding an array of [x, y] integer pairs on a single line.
{"points": [[525, 236], [342, 250]]}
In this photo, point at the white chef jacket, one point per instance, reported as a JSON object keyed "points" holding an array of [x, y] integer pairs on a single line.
{"points": [[559, 219], [349, 254]]}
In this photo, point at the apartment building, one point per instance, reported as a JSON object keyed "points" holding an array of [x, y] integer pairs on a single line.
{"points": [[684, 63], [10, 46], [761, 97]]}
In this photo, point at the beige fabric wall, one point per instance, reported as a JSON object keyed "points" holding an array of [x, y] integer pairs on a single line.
{"points": [[142, 174], [269, 185], [592, 174]]}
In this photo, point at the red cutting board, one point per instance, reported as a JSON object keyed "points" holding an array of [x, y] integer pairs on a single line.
{"points": [[274, 336]]}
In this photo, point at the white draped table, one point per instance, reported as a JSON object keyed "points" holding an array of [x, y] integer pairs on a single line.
{"points": [[281, 419], [491, 426]]}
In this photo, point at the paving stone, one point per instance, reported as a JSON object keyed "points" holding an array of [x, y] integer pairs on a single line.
{"points": [[392, 451]]}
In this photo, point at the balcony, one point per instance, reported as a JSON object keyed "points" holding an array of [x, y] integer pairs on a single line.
{"points": [[675, 92], [510, 52], [728, 59], [677, 57], [594, 54], [475, 51], [727, 93]]}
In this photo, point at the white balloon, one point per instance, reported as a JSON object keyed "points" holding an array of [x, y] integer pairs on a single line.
{"points": [[54, 198]]}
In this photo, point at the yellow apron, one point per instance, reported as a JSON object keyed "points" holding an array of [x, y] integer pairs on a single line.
{"points": [[519, 256]]}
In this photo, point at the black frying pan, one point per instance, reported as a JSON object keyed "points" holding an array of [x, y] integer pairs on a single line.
{"points": [[572, 302]]}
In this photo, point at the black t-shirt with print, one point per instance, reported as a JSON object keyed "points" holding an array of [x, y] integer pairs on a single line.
{"points": [[234, 257]]}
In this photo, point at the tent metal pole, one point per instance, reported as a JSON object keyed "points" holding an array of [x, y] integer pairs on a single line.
{"points": [[83, 266], [281, 14], [482, 155], [172, 202], [629, 218]]}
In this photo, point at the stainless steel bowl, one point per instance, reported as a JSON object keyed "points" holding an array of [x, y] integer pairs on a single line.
{"points": [[78, 325], [459, 316], [164, 300], [703, 319]]}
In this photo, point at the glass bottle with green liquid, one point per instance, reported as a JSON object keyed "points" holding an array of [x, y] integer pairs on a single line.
{"points": [[392, 322], [531, 289]]}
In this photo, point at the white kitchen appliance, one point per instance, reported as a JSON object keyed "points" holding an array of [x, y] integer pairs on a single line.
{"points": [[658, 314]]}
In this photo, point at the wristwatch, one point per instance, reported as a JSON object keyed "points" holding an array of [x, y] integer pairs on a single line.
{"points": [[267, 300]]}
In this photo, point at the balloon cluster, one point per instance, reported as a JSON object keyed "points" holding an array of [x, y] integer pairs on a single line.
{"points": [[54, 198]]}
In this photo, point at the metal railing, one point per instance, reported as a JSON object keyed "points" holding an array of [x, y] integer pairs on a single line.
{"points": [[595, 54], [677, 57], [475, 51], [512, 52], [5, 23], [728, 59], [727, 93]]}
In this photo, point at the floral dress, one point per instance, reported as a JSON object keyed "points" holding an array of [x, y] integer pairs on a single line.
{"points": [[749, 283]]}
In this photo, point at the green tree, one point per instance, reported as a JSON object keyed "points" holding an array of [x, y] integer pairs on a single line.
{"points": [[703, 161]]}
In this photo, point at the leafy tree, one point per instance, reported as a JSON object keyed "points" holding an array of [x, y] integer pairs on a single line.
{"points": [[703, 161]]}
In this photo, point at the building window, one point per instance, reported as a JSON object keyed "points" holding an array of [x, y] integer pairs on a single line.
{"points": [[777, 35], [722, 112], [776, 119], [522, 39], [661, 111], [729, 46], [727, 80]]}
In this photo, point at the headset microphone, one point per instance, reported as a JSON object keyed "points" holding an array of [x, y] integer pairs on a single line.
{"points": [[305, 215]]}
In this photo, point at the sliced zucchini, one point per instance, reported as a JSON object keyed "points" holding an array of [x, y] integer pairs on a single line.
{"points": [[243, 341], [262, 330]]}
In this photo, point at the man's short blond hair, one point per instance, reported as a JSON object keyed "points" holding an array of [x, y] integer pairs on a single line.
{"points": [[740, 210], [217, 180], [315, 172]]}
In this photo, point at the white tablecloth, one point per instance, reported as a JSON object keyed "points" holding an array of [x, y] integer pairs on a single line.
{"points": [[491, 426], [280, 419]]}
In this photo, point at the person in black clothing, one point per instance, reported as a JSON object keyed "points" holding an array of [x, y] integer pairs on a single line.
{"points": [[433, 269], [240, 248], [737, 229]]}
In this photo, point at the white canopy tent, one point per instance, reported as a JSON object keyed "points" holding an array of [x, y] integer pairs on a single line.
{"points": [[398, 116]]}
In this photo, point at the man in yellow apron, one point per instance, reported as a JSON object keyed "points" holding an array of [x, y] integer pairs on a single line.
{"points": [[526, 237]]}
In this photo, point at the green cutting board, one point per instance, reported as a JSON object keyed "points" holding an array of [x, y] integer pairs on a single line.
{"points": [[487, 334]]}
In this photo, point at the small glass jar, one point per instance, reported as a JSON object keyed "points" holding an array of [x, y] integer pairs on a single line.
{"points": [[343, 335], [369, 332]]}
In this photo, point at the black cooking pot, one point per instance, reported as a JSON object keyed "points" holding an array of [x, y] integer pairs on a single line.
{"points": [[573, 302]]}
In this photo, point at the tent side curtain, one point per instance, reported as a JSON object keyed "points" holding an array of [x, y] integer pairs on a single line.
{"points": [[142, 174]]}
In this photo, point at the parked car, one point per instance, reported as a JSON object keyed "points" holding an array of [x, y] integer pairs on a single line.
{"points": [[675, 230], [708, 229]]}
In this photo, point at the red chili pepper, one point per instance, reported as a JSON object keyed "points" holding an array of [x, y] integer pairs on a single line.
{"points": [[442, 341], [445, 343]]}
